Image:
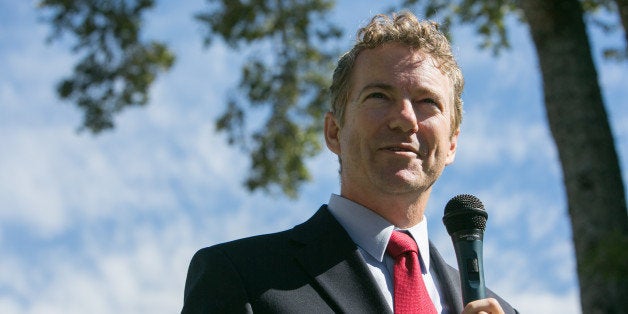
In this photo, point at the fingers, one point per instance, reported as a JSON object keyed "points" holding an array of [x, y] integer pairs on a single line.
{"points": [[484, 306]]}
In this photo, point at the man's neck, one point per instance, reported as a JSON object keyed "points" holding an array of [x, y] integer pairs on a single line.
{"points": [[403, 211]]}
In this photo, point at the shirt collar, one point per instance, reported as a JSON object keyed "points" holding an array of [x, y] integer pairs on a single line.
{"points": [[371, 232]]}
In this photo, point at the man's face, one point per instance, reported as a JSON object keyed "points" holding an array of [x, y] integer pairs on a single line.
{"points": [[396, 137]]}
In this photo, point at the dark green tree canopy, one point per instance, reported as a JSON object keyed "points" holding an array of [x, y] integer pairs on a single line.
{"points": [[489, 18], [288, 75], [116, 68]]}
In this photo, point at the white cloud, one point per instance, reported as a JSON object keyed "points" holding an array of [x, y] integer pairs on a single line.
{"points": [[544, 302], [486, 142], [29, 194], [140, 269]]}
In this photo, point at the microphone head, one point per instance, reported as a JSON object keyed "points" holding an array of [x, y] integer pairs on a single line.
{"points": [[464, 212]]}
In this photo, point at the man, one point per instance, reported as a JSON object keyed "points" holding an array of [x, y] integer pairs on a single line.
{"points": [[394, 124]]}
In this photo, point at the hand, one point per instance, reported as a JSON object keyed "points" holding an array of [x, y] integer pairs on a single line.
{"points": [[484, 306]]}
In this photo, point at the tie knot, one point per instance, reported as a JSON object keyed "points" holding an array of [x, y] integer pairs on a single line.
{"points": [[400, 243]]}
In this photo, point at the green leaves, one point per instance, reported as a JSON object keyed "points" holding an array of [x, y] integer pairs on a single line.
{"points": [[488, 17], [285, 79], [116, 69]]}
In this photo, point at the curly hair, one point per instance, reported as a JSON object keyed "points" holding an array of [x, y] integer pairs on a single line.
{"points": [[406, 29]]}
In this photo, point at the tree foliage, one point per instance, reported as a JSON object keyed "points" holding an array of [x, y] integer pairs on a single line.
{"points": [[488, 17], [117, 68], [287, 73]]}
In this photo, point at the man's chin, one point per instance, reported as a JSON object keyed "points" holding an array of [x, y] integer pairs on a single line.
{"points": [[403, 182]]}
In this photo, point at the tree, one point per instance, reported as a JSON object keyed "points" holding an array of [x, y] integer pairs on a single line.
{"points": [[117, 68], [290, 82], [592, 177]]}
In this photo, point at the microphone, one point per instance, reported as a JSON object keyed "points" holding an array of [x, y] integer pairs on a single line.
{"points": [[465, 220]]}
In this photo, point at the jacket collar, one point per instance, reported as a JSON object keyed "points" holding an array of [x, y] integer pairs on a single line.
{"points": [[335, 265]]}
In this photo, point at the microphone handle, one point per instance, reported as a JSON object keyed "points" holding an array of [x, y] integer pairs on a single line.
{"points": [[468, 247]]}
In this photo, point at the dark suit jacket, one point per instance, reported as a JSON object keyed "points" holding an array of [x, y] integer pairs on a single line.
{"points": [[313, 268]]}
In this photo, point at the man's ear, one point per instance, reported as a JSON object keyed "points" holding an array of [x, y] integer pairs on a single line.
{"points": [[453, 145], [332, 132]]}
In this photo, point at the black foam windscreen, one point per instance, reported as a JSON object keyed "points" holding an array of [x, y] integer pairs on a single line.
{"points": [[464, 212]]}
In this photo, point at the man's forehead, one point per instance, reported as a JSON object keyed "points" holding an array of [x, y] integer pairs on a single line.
{"points": [[398, 50], [388, 63]]}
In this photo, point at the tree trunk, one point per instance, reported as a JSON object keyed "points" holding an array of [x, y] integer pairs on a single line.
{"points": [[591, 172], [622, 9]]}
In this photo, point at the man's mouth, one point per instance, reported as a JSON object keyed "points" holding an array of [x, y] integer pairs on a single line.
{"points": [[397, 149], [402, 149]]}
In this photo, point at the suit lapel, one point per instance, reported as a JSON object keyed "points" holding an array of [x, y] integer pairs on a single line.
{"points": [[338, 270]]}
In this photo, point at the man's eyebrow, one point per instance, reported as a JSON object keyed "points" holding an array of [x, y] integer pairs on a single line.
{"points": [[388, 87], [380, 85]]}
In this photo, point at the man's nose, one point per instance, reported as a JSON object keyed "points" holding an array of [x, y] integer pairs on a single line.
{"points": [[403, 117]]}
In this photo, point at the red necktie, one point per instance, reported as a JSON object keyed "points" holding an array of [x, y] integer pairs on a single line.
{"points": [[410, 294]]}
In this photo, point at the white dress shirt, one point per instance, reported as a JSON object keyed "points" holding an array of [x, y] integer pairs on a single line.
{"points": [[371, 232]]}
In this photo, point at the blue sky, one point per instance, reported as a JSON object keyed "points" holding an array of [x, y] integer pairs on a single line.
{"points": [[108, 224]]}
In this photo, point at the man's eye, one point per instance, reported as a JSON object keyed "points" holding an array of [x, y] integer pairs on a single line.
{"points": [[430, 101], [377, 96]]}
